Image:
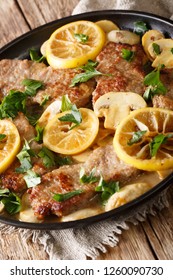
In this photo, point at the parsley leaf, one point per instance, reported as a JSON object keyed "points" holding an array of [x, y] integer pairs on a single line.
{"points": [[66, 104], [35, 56], [172, 50], [39, 136], [81, 38], [32, 86], [156, 48], [60, 160], [89, 73], [140, 27], [155, 86], [2, 136], [11, 201], [32, 179], [25, 158], [73, 117], [127, 54], [107, 189], [157, 141], [137, 136], [88, 179], [51, 159], [45, 99], [12, 103], [65, 196]]}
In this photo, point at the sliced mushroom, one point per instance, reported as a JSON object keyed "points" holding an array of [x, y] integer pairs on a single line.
{"points": [[150, 37], [50, 112], [123, 37], [163, 44], [27, 214], [115, 106], [165, 58], [107, 25], [126, 194]]}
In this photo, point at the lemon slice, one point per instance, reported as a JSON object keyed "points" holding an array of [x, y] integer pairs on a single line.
{"points": [[153, 122], [65, 50], [10, 145], [59, 138]]}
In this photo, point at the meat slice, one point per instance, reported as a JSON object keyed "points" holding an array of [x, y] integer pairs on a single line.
{"points": [[124, 75], [66, 179], [56, 82]]}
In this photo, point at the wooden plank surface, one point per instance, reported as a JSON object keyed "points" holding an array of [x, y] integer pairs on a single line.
{"points": [[151, 239]]}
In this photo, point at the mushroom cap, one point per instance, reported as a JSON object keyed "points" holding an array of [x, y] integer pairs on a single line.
{"points": [[123, 37]]}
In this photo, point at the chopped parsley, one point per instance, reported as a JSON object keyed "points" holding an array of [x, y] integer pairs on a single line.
{"points": [[39, 137], [107, 189], [2, 136], [81, 38], [32, 86], [32, 179], [11, 201], [65, 196], [35, 56], [136, 137], [157, 141], [155, 86], [24, 156], [88, 179], [156, 48], [89, 73], [140, 27], [127, 54]]}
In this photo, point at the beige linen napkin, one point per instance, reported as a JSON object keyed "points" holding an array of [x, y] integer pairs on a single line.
{"points": [[79, 243]]}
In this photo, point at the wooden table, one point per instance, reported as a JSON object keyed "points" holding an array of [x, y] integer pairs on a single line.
{"points": [[152, 239]]}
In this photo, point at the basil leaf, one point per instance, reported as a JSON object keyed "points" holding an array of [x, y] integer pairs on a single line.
{"points": [[157, 141], [35, 56], [32, 86], [140, 27], [137, 136], [32, 179], [127, 54], [62, 197], [2, 136], [88, 179], [156, 48], [11, 201], [66, 104], [155, 86], [81, 38], [107, 189], [25, 158]]}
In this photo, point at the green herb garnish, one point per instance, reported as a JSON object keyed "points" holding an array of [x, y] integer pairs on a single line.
{"points": [[137, 136], [35, 56], [156, 48], [39, 136], [32, 179], [88, 179], [11, 201], [81, 38], [2, 136], [89, 73], [51, 159], [127, 54], [107, 189], [172, 50], [66, 104], [62, 197], [25, 158], [60, 160], [45, 99], [140, 27], [157, 141], [32, 86], [155, 86]]}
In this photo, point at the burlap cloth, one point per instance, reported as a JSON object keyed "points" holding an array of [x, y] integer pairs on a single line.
{"points": [[79, 243]]}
